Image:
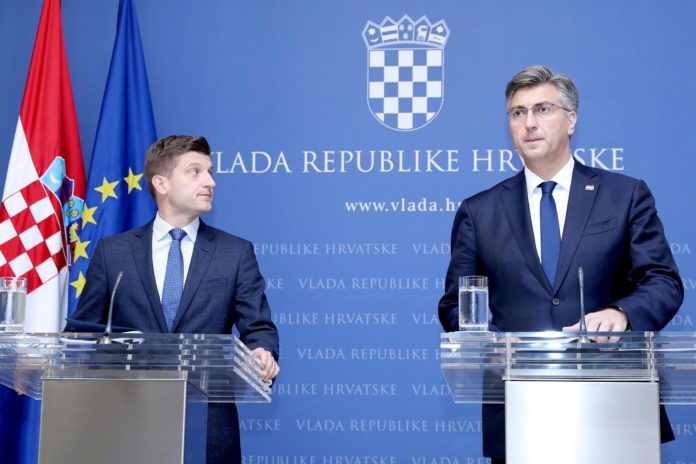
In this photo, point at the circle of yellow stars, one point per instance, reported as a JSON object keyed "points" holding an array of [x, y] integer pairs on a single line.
{"points": [[107, 190]]}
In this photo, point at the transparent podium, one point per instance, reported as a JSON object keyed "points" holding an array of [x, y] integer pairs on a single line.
{"points": [[142, 398], [573, 399]]}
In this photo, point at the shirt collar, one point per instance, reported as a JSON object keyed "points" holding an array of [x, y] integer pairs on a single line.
{"points": [[161, 228], [563, 177]]}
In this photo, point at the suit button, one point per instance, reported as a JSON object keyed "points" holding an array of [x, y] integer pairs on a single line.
{"points": [[556, 301]]}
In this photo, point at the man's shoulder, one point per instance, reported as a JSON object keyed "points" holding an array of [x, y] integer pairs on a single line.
{"points": [[493, 192], [128, 235], [213, 233], [204, 230], [611, 178]]}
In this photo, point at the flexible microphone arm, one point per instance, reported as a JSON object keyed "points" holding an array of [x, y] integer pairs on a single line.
{"points": [[583, 327], [106, 338], [581, 279]]}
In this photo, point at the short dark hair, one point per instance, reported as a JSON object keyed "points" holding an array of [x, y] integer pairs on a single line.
{"points": [[162, 155], [537, 75]]}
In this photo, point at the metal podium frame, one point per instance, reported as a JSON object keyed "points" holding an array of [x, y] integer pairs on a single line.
{"points": [[572, 398], [142, 398]]}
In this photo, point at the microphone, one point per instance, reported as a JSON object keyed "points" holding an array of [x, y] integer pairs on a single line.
{"points": [[583, 327], [581, 280], [105, 339]]}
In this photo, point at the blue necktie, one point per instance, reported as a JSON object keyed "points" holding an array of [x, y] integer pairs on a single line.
{"points": [[550, 231], [174, 278]]}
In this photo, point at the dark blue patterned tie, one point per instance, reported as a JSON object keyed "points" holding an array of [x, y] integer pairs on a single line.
{"points": [[174, 278], [550, 231]]}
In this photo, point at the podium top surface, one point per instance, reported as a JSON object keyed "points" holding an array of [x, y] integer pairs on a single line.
{"points": [[219, 365], [476, 364]]}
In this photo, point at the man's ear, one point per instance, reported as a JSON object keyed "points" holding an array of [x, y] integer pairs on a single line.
{"points": [[572, 119], [160, 183]]}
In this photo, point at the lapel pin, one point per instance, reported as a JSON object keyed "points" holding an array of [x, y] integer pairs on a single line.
{"points": [[589, 187]]}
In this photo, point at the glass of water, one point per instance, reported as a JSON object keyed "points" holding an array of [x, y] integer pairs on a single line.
{"points": [[13, 296], [473, 303]]}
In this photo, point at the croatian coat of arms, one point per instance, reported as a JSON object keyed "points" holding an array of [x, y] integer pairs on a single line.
{"points": [[405, 71]]}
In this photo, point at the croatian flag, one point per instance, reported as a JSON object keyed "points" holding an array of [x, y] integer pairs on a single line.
{"points": [[41, 203], [44, 190]]}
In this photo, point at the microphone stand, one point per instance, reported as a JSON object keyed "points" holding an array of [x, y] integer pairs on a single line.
{"points": [[105, 339], [583, 327]]}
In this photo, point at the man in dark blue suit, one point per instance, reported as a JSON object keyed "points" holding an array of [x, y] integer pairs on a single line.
{"points": [[181, 275], [531, 232]]}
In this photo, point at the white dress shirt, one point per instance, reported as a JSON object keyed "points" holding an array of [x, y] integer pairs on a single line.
{"points": [[161, 240], [561, 193]]}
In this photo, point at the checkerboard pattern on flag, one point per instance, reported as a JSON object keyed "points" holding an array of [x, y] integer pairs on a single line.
{"points": [[30, 236], [44, 188]]}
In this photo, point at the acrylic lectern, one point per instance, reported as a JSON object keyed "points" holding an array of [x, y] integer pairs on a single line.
{"points": [[570, 398], [142, 398]]}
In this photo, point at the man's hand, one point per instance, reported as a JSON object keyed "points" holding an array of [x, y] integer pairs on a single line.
{"points": [[22, 379], [606, 320], [269, 366]]}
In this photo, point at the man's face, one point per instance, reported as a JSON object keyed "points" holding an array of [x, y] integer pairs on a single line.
{"points": [[543, 143], [188, 191]]}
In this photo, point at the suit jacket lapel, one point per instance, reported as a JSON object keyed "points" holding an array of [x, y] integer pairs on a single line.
{"points": [[142, 255], [516, 206], [203, 251], [579, 206]]}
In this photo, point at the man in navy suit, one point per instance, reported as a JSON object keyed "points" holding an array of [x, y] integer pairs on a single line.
{"points": [[604, 222], [222, 284]]}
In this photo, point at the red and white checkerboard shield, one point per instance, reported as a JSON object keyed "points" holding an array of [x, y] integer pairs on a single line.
{"points": [[31, 240]]}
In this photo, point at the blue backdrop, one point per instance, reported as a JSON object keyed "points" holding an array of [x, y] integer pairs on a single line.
{"points": [[351, 218]]}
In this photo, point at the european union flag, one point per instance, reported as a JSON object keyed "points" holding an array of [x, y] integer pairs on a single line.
{"points": [[117, 196]]}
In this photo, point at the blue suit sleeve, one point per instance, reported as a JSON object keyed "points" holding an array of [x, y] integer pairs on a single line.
{"points": [[256, 329], [657, 288], [92, 306], [463, 261]]}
